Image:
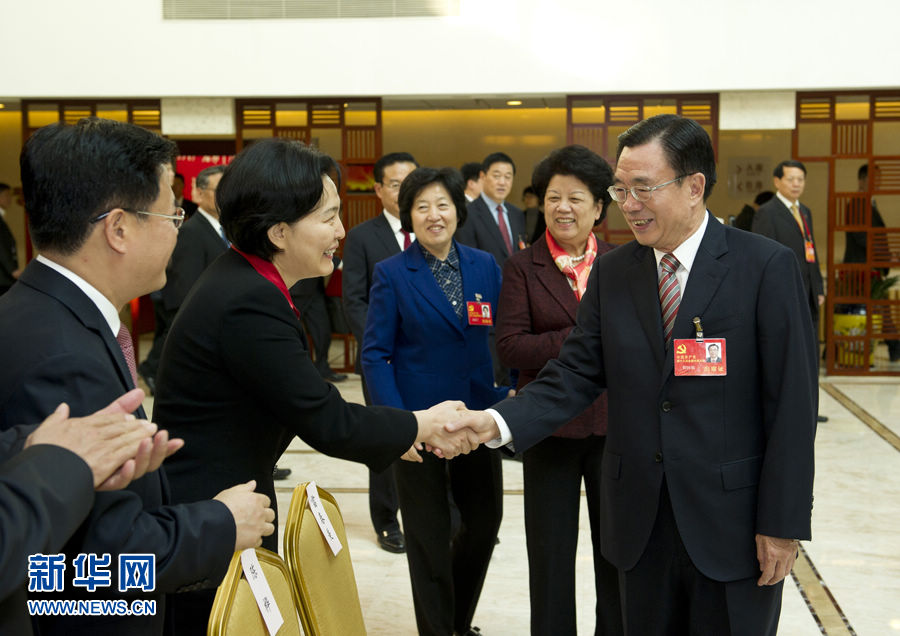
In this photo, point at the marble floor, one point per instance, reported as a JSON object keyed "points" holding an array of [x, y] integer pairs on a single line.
{"points": [[847, 580]]}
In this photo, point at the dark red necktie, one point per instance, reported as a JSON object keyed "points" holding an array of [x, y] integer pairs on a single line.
{"points": [[504, 230], [406, 240], [127, 346]]}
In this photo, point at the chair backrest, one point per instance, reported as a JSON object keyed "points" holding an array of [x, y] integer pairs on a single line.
{"points": [[235, 612], [324, 583]]}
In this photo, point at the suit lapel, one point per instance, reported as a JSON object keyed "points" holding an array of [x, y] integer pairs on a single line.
{"points": [[486, 218], [386, 235], [707, 274], [424, 283], [553, 280], [54, 284], [642, 285], [787, 217]]}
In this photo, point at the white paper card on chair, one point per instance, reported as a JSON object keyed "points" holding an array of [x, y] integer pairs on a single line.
{"points": [[315, 505], [255, 576]]}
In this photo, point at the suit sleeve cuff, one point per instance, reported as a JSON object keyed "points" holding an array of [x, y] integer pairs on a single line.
{"points": [[505, 438]]}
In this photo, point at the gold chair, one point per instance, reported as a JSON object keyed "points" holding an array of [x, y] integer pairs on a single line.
{"points": [[323, 583], [235, 612]]}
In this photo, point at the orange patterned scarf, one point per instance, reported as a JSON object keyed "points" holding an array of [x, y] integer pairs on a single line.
{"points": [[576, 270]]}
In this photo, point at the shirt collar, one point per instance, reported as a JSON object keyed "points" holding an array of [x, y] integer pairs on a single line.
{"points": [[492, 205], [109, 311], [787, 202], [212, 220], [432, 260], [687, 251], [393, 221]]}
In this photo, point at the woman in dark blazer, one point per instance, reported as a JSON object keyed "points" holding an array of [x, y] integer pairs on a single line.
{"points": [[426, 340], [235, 379], [542, 286]]}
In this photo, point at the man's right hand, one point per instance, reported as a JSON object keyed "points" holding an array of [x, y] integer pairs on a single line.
{"points": [[433, 430], [480, 423], [253, 518]]}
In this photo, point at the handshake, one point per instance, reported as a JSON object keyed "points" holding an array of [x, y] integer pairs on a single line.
{"points": [[449, 429]]}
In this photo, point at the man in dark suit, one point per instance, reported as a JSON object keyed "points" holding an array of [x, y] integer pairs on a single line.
{"points": [[784, 219], [200, 242], [713, 353], [498, 232], [187, 205], [102, 216], [707, 481], [9, 261], [367, 244], [471, 173], [496, 227]]}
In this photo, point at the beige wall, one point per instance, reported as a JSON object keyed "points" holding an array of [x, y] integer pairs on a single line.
{"points": [[10, 146], [454, 137]]}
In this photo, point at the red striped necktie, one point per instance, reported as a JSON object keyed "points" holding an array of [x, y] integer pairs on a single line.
{"points": [[669, 293], [504, 230]]}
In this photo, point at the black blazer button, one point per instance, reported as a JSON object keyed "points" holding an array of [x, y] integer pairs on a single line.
{"points": [[666, 406], [658, 458]]}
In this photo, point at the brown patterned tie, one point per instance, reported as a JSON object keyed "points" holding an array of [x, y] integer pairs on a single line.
{"points": [[127, 346], [669, 293]]}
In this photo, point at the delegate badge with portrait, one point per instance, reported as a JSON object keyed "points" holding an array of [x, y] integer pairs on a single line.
{"points": [[700, 357], [479, 313]]}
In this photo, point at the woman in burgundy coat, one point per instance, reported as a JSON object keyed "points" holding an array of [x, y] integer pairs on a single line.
{"points": [[542, 286]]}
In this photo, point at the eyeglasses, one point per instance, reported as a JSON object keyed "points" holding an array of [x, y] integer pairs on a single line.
{"points": [[393, 186], [640, 193], [177, 218]]}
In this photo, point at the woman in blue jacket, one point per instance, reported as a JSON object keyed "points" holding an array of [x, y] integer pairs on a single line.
{"points": [[426, 341]]}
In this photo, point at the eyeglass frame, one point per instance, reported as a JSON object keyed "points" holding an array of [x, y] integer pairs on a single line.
{"points": [[647, 190], [177, 218]]}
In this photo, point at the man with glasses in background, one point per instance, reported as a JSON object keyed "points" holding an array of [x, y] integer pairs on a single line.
{"points": [[200, 242], [102, 215], [706, 481], [366, 245]]}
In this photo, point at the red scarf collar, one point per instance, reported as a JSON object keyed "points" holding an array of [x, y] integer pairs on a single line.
{"points": [[576, 273], [268, 271]]}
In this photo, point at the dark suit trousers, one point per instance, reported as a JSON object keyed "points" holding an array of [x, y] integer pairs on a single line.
{"points": [[447, 572], [383, 502], [553, 471], [666, 595]]}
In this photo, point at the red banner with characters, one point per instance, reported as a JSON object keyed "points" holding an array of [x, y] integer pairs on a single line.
{"points": [[189, 166]]}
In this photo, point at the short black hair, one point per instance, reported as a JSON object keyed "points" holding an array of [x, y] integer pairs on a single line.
{"points": [[419, 179], [763, 197], [778, 172], [179, 176], [74, 173], [470, 171], [497, 157], [204, 175], [389, 160], [685, 143], [529, 190], [583, 164], [862, 173], [271, 181]]}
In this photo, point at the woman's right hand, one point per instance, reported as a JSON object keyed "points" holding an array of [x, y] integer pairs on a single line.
{"points": [[412, 455]]}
